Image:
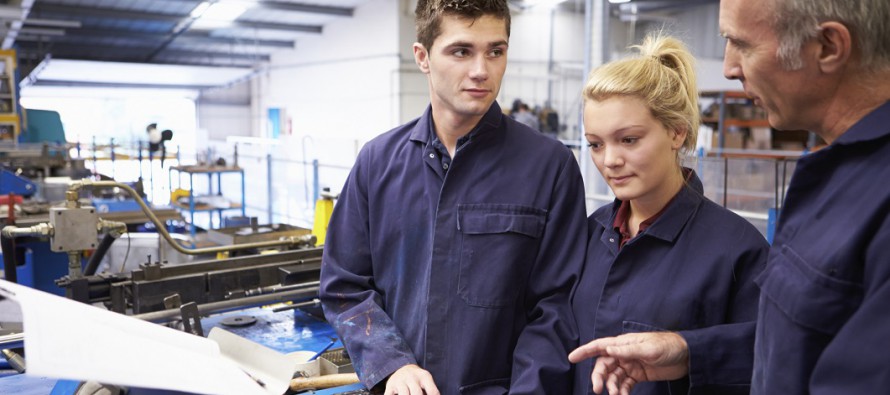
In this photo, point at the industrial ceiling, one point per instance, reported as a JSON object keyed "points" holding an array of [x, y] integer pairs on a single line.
{"points": [[161, 31], [175, 32]]}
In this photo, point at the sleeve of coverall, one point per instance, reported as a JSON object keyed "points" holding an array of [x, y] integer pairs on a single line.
{"points": [[540, 365], [350, 301], [721, 357]]}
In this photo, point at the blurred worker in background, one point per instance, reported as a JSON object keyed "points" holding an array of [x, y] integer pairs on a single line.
{"points": [[455, 244], [823, 66], [526, 117], [666, 302]]}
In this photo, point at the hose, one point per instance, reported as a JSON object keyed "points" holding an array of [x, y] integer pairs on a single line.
{"points": [[100, 252], [161, 228]]}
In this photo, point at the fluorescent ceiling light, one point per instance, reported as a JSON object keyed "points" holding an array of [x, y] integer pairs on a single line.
{"points": [[619, 1], [224, 11], [219, 14], [200, 9]]}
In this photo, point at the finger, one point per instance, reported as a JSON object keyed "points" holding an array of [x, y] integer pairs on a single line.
{"points": [[389, 389], [598, 375], [612, 383], [627, 385], [596, 380], [581, 353], [620, 374], [429, 385], [640, 351], [402, 389], [587, 351], [414, 387]]}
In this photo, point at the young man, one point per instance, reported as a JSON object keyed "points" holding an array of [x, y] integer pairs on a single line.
{"points": [[458, 236], [823, 66]]}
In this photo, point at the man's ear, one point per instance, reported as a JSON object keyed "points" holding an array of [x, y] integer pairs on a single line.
{"points": [[422, 58], [835, 46]]}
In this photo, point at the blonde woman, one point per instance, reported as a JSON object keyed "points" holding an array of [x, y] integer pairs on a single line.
{"points": [[666, 303]]}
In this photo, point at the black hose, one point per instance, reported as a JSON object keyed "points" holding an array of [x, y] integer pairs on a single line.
{"points": [[94, 261], [7, 244]]}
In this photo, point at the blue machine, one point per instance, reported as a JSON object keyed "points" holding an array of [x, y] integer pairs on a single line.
{"points": [[115, 205], [42, 126], [12, 183]]}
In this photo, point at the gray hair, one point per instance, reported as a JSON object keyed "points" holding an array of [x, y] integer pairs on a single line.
{"points": [[797, 21]]}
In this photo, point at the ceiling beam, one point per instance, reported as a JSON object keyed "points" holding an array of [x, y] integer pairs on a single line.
{"points": [[37, 56], [190, 36], [88, 84], [74, 11], [308, 8], [179, 53], [68, 50], [278, 26], [201, 37], [70, 11]]}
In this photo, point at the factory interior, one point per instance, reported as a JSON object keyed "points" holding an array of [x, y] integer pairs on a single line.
{"points": [[175, 163]]}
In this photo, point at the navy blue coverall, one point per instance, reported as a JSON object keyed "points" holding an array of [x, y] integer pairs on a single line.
{"points": [[824, 320], [466, 272], [692, 271]]}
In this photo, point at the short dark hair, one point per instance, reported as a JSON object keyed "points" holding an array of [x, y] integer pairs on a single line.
{"points": [[428, 15]]}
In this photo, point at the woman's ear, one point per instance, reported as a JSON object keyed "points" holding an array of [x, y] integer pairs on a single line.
{"points": [[678, 137]]}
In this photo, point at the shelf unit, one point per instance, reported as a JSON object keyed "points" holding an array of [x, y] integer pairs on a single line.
{"points": [[193, 205], [10, 123], [724, 120], [735, 111]]}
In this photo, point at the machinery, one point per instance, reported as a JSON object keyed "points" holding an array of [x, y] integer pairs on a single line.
{"points": [[73, 229], [284, 267]]}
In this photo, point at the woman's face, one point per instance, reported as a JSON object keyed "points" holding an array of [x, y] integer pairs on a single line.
{"points": [[634, 152]]}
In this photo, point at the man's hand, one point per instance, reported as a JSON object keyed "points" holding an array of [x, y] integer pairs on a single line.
{"points": [[411, 380], [626, 360]]}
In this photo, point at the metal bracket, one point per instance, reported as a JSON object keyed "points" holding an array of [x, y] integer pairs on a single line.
{"points": [[191, 319]]}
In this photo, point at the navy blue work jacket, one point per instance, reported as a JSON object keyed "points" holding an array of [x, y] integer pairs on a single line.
{"points": [[692, 271], [468, 272], [824, 320]]}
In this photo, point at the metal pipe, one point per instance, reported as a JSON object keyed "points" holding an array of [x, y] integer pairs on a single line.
{"points": [[15, 360], [38, 230], [213, 307], [74, 267], [15, 340], [162, 230], [114, 228]]}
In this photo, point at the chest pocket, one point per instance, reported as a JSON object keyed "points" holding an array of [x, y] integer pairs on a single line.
{"points": [[499, 243], [811, 298]]}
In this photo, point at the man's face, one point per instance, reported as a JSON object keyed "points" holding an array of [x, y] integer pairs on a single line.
{"points": [[751, 57], [465, 66]]}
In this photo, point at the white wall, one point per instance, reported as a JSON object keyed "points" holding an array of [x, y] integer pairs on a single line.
{"points": [[225, 112], [339, 87], [528, 78]]}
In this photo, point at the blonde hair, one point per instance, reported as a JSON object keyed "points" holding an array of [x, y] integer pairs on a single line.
{"points": [[663, 75]]}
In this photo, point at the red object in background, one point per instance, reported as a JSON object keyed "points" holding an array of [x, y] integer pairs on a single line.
{"points": [[11, 199], [4, 199]]}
